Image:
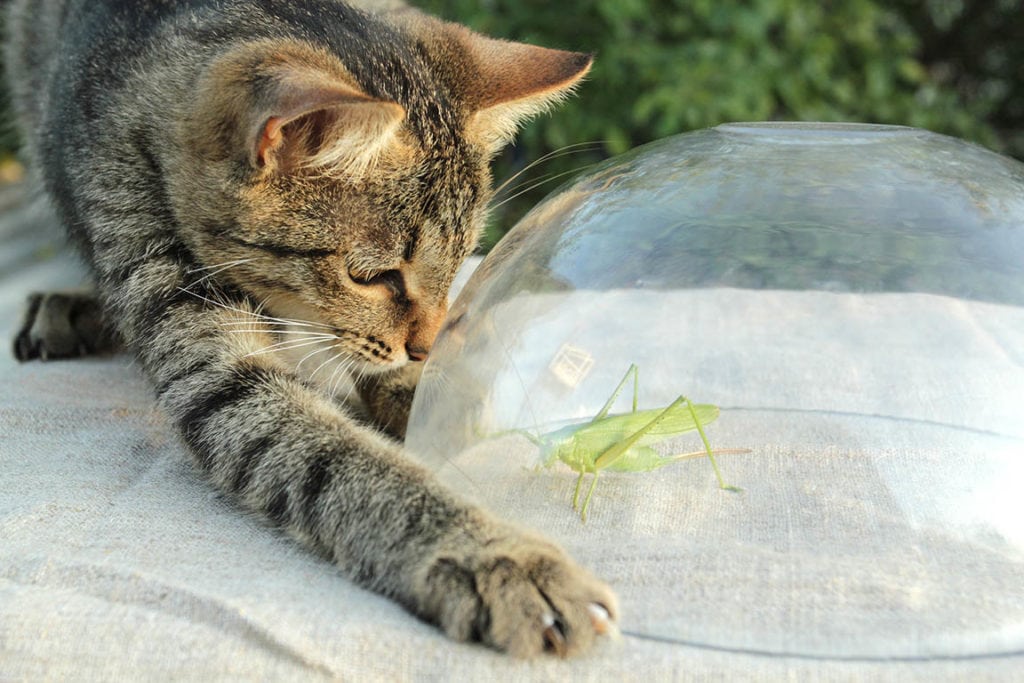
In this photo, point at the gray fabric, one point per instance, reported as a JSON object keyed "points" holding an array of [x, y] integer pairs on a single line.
{"points": [[117, 561]]}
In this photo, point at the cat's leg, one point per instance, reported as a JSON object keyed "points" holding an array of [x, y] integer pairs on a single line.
{"points": [[388, 397], [484, 585], [63, 325], [286, 449]]}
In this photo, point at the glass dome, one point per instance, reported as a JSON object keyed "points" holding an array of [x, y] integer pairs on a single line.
{"points": [[851, 298]]}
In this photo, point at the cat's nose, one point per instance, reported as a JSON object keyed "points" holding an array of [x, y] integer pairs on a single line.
{"points": [[416, 353], [426, 324]]}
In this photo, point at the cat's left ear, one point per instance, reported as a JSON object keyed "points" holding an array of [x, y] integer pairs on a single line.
{"points": [[513, 82], [287, 106], [316, 122]]}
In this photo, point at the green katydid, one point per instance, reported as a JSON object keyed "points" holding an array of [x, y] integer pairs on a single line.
{"points": [[622, 442]]}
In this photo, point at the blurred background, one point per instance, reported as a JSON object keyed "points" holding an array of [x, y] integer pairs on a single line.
{"points": [[669, 66]]}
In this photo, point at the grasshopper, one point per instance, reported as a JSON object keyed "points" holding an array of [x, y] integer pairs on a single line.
{"points": [[622, 443]]}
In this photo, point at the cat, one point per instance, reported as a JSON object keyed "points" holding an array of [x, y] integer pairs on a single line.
{"points": [[271, 193]]}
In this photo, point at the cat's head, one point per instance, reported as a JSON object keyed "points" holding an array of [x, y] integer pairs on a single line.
{"points": [[344, 185]]}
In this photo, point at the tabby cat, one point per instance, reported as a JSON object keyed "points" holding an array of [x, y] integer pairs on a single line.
{"points": [[271, 193]]}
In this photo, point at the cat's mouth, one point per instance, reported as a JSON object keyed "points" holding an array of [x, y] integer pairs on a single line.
{"points": [[333, 357], [326, 351]]}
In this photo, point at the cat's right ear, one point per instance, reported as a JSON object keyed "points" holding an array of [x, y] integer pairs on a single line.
{"points": [[512, 82]]}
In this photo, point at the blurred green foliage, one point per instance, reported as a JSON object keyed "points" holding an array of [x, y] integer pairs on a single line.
{"points": [[977, 48], [668, 66]]}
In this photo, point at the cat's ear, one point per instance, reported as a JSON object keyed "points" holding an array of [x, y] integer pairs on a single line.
{"points": [[514, 81], [314, 121], [283, 106]]}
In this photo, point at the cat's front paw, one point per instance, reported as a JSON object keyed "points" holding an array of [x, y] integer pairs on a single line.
{"points": [[62, 325], [519, 594]]}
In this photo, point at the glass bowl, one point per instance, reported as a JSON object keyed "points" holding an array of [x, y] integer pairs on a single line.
{"points": [[851, 299]]}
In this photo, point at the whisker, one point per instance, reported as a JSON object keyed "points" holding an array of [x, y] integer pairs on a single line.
{"points": [[225, 264], [282, 321], [329, 359], [279, 321], [300, 340], [221, 304], [283, 346], [255, 314], [215, 270], [355, 383], [312, 353], [361, 373], [537, 184], [443, 382], [577, 148], [330, 383], [311, 335], [339, 364], [339, 375], [436, 385]]}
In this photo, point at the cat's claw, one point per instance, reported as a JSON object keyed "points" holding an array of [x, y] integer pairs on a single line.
{"points": [[554, 636], [600, 619]]}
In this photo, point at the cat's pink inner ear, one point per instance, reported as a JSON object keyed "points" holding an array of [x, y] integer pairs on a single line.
{"points": [[317, 126], [270, 139]]}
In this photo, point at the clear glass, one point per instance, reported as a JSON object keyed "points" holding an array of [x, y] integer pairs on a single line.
{"points": [[852, 298]]}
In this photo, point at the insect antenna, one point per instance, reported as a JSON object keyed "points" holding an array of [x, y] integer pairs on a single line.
{"points": [[535, 437]]}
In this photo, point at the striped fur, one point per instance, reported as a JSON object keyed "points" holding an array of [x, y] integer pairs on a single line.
{"points": [[275, 195]]}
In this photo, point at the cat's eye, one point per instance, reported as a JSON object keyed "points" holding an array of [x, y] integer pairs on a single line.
{"points": [[392, 279]]}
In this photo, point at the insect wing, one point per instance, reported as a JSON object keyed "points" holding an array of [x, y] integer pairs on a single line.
{"points": [[578, 445], [595, 438], [639, 459], [677, 421]]}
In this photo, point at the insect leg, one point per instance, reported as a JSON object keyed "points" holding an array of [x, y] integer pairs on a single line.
{"points": [[618, 390], [576, 491], [707, 448], [636, 384], [590, 494]]}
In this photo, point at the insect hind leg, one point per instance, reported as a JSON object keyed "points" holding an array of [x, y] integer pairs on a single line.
{"points": [[707, 449]]}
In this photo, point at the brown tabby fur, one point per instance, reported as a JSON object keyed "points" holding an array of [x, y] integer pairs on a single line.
{"points": [[273, 194]]}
